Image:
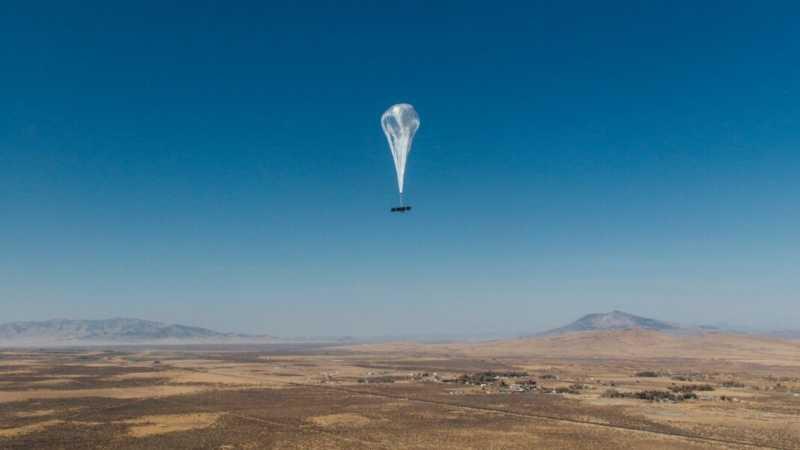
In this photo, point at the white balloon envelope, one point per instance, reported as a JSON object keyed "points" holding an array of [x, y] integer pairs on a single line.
{"points": [[400, 123]]}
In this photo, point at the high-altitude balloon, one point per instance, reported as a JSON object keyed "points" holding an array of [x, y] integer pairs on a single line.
{"points": [[400, 122]]}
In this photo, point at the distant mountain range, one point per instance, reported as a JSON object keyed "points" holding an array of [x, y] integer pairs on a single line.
{"points": [[614, 320], [66, 332], [112, 331]]}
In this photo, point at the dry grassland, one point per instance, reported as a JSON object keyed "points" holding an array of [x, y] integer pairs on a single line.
{"points": [[549, 393]]}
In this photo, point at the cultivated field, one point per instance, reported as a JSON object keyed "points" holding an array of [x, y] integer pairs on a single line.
{"points": [[596, 391]]}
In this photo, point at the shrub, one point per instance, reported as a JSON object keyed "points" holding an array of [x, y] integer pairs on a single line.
{"points": [[613, 393], [488, 377], [664, 396], [651, 395], [648, 374], [691, 376], [567, 390], [690, 387]]}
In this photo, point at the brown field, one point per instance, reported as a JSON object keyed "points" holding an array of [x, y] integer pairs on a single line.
{"points": [[569, 392]]}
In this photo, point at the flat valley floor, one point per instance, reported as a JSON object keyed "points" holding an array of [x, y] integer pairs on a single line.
{"points": [[395, 396]]}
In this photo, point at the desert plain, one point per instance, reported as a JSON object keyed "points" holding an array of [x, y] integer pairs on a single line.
{"points": [[630, 389]]}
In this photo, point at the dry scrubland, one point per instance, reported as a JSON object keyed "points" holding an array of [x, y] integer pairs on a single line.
{"points": [[607, 390]]}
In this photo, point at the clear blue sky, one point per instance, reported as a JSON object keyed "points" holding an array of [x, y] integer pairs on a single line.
{"points": [[223, 164]]}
